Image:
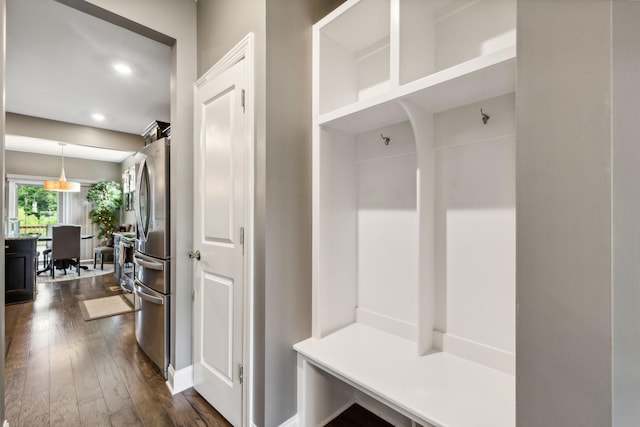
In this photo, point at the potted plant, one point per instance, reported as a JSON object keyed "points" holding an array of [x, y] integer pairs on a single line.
{"points": [[106, 197]]}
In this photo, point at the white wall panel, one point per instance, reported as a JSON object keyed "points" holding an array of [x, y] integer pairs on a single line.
{"points": [[467, 29], [388, 225], [475, 221], [388, 238]]}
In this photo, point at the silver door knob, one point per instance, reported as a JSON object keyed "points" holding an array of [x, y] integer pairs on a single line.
{"points": [[195, 255]]}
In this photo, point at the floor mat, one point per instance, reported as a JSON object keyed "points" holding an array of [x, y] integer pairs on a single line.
{"points": [[104, 307], [73, 275]]}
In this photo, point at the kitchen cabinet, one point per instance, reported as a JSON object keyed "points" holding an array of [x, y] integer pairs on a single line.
{"points": [[20, 269], [413, 284]]}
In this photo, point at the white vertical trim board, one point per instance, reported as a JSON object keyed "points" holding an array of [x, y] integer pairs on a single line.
{"points": [[179, 380]]}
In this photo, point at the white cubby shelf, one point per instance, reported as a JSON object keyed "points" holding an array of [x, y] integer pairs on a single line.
{"points": [[472, 81], [436, 390], [413, 283]]}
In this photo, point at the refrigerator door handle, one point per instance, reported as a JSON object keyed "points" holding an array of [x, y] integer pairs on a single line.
{"points": [[152, 299], [146, 262]]}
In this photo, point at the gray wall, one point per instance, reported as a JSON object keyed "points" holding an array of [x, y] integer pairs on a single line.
{"points": [[221, 25], [19, 163], [238, 18], [22, 163], [282, 288], [626, 213], [563, 354], [34, 127], [288, 196]]}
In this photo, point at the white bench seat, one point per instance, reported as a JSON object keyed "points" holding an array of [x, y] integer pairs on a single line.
{"points": [[438, 389]]}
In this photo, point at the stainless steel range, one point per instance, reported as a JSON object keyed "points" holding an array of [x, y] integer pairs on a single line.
{"points": [[153, 289]]}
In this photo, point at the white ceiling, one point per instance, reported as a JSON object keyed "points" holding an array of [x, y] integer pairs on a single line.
{"points": [[60, 67]]}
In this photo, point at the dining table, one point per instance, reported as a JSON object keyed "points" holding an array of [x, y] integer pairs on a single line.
{"points": [[49, 238]]}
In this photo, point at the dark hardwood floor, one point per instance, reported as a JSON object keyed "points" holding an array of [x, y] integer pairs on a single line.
{"points": [[63, 371]]}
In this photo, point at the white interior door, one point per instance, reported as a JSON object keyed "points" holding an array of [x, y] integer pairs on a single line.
{"points": [[220, 200]]}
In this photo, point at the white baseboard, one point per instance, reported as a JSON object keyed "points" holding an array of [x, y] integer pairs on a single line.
{"points": [[291, 422], [337, 412], [179, 380], [388, 324], [485, 355]]}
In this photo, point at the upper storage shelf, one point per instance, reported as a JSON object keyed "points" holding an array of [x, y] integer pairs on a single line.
{"points": [[354, 55], [406, 46]]}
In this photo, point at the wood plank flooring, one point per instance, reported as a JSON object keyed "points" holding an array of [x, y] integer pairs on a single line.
{"points": [[63, 371]]}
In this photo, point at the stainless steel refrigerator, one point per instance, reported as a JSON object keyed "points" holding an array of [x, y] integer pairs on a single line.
{"points": [[152, 258]]}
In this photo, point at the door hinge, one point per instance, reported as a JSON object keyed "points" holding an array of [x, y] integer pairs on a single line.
{"points": [[242, 238], [242, 102], [241, 374]]}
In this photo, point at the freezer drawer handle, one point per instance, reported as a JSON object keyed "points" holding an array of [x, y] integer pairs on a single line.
{"points": [[147, 297], [152, 265]]}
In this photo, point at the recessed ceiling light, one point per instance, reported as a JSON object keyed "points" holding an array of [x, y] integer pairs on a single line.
{"points": [[122, 68], [98, 117]]}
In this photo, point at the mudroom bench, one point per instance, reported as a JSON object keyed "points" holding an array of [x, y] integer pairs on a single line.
{"points": [[413, 214], [381, 372]]}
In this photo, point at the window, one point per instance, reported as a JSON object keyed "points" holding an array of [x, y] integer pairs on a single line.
{"points": [[36, 207]]}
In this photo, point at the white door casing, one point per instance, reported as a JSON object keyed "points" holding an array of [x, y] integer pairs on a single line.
{"points": [[222, 219]]}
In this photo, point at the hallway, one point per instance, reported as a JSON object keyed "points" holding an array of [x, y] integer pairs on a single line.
{"points": [[63, 371]]}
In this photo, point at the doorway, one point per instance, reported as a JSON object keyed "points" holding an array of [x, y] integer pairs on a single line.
{"points": [[173, 25], [36, 208]]}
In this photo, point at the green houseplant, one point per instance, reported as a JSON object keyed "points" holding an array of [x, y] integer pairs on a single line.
{"points": [[106, 197]]}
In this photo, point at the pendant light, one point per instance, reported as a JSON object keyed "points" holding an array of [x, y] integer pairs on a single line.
{"points": [[61, 184]]}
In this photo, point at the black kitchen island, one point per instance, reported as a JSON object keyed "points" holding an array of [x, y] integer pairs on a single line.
{"points": [[20, 268]]}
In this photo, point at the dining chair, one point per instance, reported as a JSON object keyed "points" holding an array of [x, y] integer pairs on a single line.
{"points": [[46, 254], [65, 247]]}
